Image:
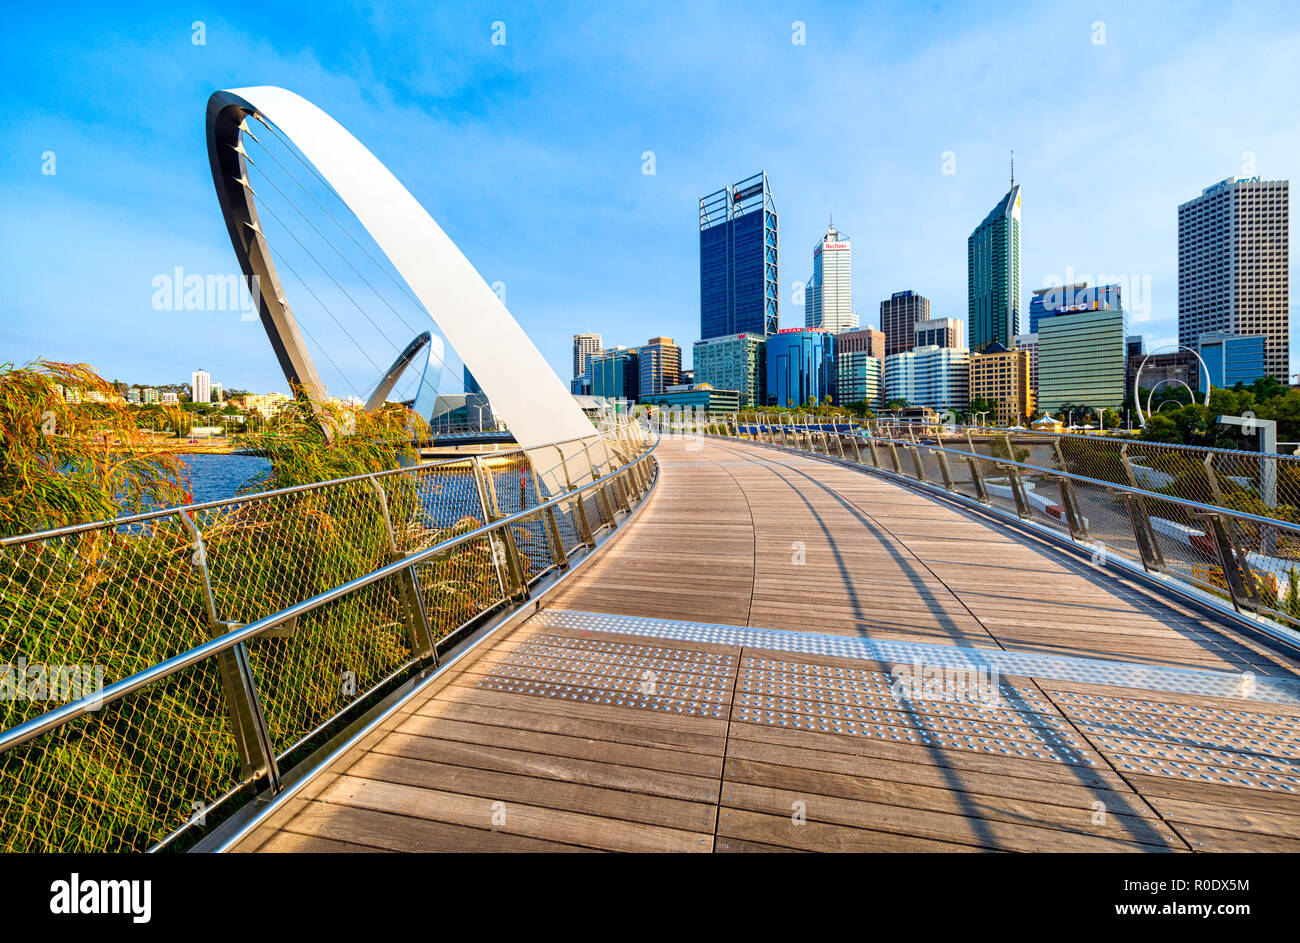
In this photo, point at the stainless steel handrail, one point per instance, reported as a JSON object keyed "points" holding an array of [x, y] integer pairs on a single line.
{"points": [[36, 726]]}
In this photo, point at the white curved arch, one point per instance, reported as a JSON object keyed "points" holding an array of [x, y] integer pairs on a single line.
{"points": [[535, 404]]}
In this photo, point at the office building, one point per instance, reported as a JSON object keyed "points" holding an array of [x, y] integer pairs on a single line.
{"points": [[1173, 368], [1002, 376], [1233, 258], [859, 378], [828, 299], [733, 363], [200, 387], [1231, 359], [1067, 299], [584, 347], [697, 396], [800, 366], [939, 332], [1137, 345], [660, 365], [1082, 360], [868, 340], [933, 377], [899, 315], [1029, 343], [993, 275], [738, 260], [616, 374]]}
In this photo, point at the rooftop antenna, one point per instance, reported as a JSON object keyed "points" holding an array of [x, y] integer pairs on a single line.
{"points": [[1013, 169]]}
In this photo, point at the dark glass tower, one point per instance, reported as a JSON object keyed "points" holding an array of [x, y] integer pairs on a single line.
{"points": [[993, 276], [738, 260]]}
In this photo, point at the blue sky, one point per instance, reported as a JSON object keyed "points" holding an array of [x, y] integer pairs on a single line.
{"points": [[529, 154]]}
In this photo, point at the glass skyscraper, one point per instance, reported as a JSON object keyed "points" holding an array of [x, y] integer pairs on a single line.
{"points": [[993, 275], [800, 366], [738, 260]]}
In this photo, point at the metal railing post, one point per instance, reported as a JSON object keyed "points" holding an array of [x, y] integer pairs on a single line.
{"points": [[1143, 534], [553, 539], [507, 557], [1237, 575], [1073, 519], [585, 533], [944, 470], [248, 723], [916, 462], [1017, 490], [417, 619], [893, 455]]}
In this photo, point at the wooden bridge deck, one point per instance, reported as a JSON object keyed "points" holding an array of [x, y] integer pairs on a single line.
{"points": [[630, 715]]}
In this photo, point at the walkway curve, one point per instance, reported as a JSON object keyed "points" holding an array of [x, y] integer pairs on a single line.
{"points": [[744, 668]]}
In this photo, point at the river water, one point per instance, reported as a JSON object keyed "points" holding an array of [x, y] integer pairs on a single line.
{"points": [[215, 476]]}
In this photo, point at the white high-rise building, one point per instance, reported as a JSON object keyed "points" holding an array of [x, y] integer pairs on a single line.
{"points": [[200, 387], [1233, 257], [828, 300], [1029, 342], [585, 346]]}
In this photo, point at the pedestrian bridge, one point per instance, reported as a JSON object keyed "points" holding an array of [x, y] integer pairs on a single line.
{"points": [[781, 653]]}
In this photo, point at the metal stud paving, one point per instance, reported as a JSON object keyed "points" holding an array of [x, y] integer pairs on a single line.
{"points": [[1022, 664]]}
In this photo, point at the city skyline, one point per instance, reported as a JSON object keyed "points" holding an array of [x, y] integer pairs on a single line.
{"points": [[1088, 211]]}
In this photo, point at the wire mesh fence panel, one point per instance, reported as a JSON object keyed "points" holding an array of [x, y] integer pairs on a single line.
{"points": [[100, 600], [268, 554], [316, 665], [123, 777], [444, 495]]}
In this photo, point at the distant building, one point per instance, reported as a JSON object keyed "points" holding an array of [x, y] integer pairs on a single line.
{"points": [[800, 366], [937, 377], [1067, 299], [828, 297], [218, 393], [1082, 360], [478, 408], [859, 378], [899, 315], [1173, 368], [867, 340], [265, 405], [616, 374], [584, 347], [1233, 266], [200, 387], [733, 363], [1029, 342], [993, 275], [939, 332], [1232, 358], [699, 396], [133, 396], [1137, 345], [170, 399], [1002, 376], [149, 395], [738, 260], [580, 385], [660, 361]]}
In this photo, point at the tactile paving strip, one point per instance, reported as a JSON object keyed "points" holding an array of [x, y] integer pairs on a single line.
{"points": [[676, 681], [1052, 667], [852, 701]]}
